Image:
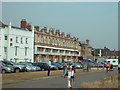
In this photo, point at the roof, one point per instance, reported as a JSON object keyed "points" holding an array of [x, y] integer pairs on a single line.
{"points": [[4, 25]]}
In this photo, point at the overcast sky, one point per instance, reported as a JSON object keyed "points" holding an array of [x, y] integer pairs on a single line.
{"points": [[96, 21]]}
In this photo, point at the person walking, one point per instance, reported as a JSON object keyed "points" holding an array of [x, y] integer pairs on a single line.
{"points": [[107, 67], [71, 76], [111, 67], [74, 68], [64, 69], [85, 67], [49, 68]]}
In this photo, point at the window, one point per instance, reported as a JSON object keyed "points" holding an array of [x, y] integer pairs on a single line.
{"points": [[25, 51], [16, 50], [5, 37], [10, 39], [26, 40], [10, 44], [21, 40], [5, 49], [114, 61], [108, 61], [16, 39]]}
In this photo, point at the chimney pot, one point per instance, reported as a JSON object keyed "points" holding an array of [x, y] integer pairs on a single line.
{"points": [[23, 23]]}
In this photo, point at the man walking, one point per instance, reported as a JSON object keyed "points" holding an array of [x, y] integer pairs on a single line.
{"points": [[49, 70], [64, 68]]}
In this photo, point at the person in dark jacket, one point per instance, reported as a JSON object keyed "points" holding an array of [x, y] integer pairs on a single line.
{"points": [[48, 70], [74, 68], [111, 67]]}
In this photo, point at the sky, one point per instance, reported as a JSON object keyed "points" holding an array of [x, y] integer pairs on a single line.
{"points": [[96, 21]]}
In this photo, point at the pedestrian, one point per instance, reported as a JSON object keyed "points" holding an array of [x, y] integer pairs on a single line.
{"points": [[74, 68], [49, 70], [71, 76], [64, 69], [107, 67], [111, 67], [88, 67], [85, 67]]}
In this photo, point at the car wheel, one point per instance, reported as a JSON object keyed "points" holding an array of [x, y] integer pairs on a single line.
{"points": [[17, 70], [3, 71]]}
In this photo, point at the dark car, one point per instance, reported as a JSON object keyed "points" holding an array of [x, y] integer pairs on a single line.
{"points": [[43, 66], [17, 67]]}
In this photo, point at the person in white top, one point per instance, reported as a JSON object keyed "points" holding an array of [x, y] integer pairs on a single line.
{"points": [[71, 76]]}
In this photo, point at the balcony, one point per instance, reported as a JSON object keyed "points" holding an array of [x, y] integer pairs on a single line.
{"points": [[56, 53]]}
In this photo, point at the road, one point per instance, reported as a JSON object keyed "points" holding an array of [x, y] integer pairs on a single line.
{"points": [[60, 82]]}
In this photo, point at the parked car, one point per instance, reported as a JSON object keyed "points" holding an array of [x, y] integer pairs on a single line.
{"points": [[17, 67], [53, 67], [60, 66], [78, 65], [30, 67], [6, 69], [100, 65], [43, 66]]}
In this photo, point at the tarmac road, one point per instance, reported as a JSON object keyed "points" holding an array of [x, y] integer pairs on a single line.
{"points": [[60, 82]]}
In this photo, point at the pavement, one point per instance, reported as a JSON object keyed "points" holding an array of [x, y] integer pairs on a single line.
{"points": [[60, 82]]}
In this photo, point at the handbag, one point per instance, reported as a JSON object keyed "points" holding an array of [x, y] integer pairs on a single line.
{"points": [[72, 76]]}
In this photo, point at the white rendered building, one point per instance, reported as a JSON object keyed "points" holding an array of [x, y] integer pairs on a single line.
{"points": [[16, 44]]}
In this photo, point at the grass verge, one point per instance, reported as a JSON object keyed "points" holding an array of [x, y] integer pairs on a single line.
{"points": [[109, 82]]}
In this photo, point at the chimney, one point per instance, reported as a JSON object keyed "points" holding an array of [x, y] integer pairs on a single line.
{"points": [[51, 31], [44, 30], [87, 41], [74, 38], [68, 35], [29, 27], [63, 34], [23, 23], [58, 32], [36, 28], [77, 39]]}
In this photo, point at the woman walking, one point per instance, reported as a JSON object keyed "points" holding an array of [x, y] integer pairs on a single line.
{"points": [[71, 76]]}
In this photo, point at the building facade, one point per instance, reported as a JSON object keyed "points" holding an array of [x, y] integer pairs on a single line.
{"points": [[16, 44], [86, 50], [55, 46], [111, 54]]}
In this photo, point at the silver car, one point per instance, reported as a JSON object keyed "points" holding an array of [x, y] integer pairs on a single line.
{"points": [[6, 69], [29, 67]]}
